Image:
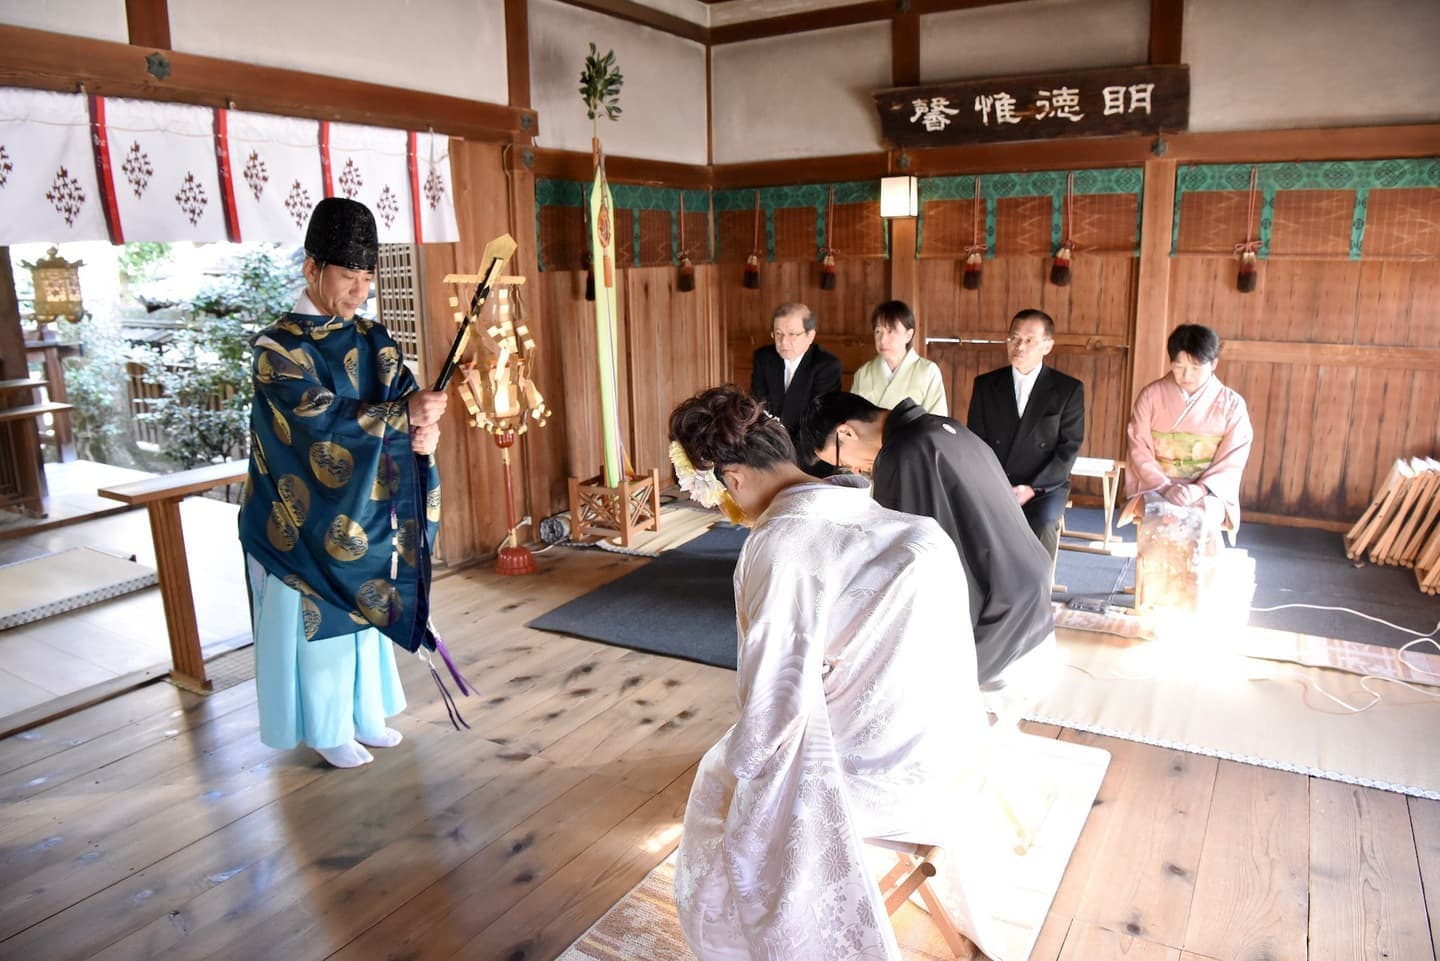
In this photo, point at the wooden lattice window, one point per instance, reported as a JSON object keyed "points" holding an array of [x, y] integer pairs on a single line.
{"points": [[397, 303]]}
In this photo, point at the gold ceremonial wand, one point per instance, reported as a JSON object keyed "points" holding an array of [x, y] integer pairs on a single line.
{"points": [[497, 252]]}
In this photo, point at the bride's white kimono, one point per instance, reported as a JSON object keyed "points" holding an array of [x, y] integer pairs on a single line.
{"points": [[859, 717]]}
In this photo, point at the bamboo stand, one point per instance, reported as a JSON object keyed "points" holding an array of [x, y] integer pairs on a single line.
{"points": [[623, 511]]}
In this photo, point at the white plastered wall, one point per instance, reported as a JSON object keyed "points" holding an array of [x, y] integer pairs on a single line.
{"points": [[95, 19], [453, 47], [805, 95], [1312, 63], [662, 101], [1034, 37]]}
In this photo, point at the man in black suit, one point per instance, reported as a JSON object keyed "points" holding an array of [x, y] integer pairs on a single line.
{"points": [[1033, 418], [787, 376]]}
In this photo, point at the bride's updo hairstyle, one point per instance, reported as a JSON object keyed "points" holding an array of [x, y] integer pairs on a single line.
{"points": [[724, 426]]}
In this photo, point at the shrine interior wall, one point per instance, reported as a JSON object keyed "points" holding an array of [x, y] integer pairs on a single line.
{"points": [[663, 100]]}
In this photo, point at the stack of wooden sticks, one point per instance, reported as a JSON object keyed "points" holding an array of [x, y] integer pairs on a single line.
{"points": [[1402, 524]]}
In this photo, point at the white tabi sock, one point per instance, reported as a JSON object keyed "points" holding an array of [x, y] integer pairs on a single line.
{"points": [[387, 738], [349, 754]]}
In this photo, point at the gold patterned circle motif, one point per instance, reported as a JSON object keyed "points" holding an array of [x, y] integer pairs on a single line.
{"points": [[387, 479], [352, 366], [359, 618], [345, 540], [387, 362], [332, 464], [406, 541], [379, 601], [298, 584], [295, 496], [372, 419], [282, 427], [314, 402], [290, 327], [309, 616], [280, 530], [432, 504]]}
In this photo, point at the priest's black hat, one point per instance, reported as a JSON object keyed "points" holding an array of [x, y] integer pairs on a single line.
{"points": [[342, 232]]}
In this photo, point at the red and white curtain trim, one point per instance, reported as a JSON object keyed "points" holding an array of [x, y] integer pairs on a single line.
{"points": [[77, 167]]}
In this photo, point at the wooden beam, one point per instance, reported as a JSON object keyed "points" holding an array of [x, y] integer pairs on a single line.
{"points": [[1332, 355], [905, 49], [1261, 146], [55, 61], [1319, 143], [577, 165], [1167, 20], [869, 12], [1152, 297], [904, 270], [771, 173], [149, 22], [646, 17], [517, 51]]}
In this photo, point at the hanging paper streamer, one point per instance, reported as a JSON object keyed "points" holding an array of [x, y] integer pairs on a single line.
{"points": [[274, 178], [372, 165], [161, 172], [48, 190], [602, 255]]}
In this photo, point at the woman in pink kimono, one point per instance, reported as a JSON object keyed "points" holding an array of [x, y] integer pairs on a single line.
{"points": [[1189, 434], [858, 709]]}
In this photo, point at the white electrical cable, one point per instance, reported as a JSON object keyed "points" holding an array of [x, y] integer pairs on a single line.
{"points": [[1375, 696]]}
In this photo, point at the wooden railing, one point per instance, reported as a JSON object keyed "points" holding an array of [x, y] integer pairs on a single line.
{"points": [[161, 497]]}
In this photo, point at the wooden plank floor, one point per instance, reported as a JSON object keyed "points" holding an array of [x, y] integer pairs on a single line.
{"points": [[157, 826], [66, 653]]}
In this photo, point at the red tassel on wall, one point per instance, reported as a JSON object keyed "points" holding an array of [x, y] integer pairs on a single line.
{"points": [[752, 272], [752, 263], [975, 253], [1246, 276], [1060, 268], [685, 278], [974, 267], [827, 272], [827, 261]]}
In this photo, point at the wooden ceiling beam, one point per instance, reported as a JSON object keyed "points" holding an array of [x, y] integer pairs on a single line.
{"points": [[869, 12], [149, 23], [1167, 22], [646, 17], [55, 61], [552, 164]]}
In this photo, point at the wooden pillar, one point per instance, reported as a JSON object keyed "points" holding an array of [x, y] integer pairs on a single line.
{"points": [[904, 273], [1148, 360], [166, 530], [22, 459]]}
